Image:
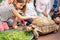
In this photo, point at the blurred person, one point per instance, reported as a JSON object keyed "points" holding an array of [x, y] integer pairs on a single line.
{"points": [[43, 8]]}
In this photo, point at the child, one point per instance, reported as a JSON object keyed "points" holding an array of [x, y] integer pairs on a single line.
{"points": [[13, 11], [29, 17]]}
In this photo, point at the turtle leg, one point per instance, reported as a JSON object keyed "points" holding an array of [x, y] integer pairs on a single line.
{"points": [[28, 29], [35, 32]]}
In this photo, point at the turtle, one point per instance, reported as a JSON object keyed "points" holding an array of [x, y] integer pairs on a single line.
{"points": [[42, 25]]}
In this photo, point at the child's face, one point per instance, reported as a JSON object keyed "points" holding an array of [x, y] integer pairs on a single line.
{"points": [[20, 5]]}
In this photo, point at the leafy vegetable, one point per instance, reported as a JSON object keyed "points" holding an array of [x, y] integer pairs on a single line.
{"points": [[15, 35]]}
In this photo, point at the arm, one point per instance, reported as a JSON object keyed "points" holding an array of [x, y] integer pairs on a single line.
{"points": [[45, 13], [21, 17]]}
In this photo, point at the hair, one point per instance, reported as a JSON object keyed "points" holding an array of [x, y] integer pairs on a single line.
{"points": [[21, 1], [24, 9]]}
